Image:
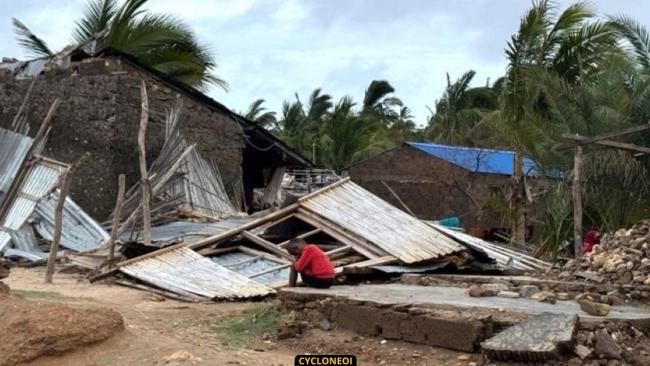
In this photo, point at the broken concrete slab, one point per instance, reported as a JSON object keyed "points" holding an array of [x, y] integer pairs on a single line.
{"points": [[543, 337], [432, 296]]}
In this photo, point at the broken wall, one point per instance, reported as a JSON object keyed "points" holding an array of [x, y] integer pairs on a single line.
{"points": [[432, 188], [100, 113]]}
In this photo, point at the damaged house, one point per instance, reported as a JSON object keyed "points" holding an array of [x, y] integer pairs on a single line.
{"points": [[437, 181], [99, 113]]}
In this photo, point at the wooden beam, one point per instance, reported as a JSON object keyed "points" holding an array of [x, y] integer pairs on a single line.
{"points": [[145, 184], [302, 236], [271, 247], [272, 269], [604, 136], [367, 263], [399, 199], [247, 260], [266, 255], [214, 251], [576, 193], [614, 144], [121, 187], [215, 239]]}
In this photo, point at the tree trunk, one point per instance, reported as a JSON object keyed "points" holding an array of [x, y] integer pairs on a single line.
{"points": [[518, 203], [576, 193], [145, 186]]}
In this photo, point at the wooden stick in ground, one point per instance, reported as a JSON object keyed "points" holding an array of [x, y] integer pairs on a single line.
{"points": [[65, 181], [577, 202], [116, 218], [144, 176]]}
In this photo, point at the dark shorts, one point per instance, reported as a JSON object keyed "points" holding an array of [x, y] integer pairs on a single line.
{"points": [[316, 282]]}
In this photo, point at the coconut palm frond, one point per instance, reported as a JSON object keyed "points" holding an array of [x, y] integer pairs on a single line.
{"points": [[96, 19], [29, 41]]}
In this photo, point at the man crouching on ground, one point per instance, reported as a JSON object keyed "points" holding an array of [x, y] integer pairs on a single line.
{"points": [[312, 263]]}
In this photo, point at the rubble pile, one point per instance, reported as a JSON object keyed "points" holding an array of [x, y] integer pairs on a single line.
{"points": [[612, 343], [621, 261]]}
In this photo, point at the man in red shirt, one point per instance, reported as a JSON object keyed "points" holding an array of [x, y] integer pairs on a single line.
{"points": [[312, 263]]}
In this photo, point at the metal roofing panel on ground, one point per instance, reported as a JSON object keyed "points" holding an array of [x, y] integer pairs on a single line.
{"points": [[79, 231], [401, 235], [477, 159], [505, 257], [183, 271], [189, 231]]}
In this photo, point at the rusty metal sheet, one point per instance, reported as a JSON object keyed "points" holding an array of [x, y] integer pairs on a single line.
{"points": [[187, 273], [360, 212]]}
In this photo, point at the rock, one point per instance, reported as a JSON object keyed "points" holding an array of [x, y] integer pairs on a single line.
{"points": [[476, 291], [508, 294], [594, 308], [545, 296], [606, 346], [325, 325], [615, 298], [496, 287], [287, 332], [563, 296], [464, 358], [582, 351], [527, 291]]}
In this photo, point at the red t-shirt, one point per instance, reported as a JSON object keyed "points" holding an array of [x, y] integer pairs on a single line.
{"points": [[314, 262]]}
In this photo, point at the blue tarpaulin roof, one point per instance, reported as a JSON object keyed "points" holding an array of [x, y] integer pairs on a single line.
{"points": [[477, 159]]}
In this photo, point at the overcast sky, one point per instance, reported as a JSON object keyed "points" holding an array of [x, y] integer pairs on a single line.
{"points": [[272, 49]]}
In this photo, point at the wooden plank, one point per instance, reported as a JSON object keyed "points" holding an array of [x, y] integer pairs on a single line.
{"points": [[214, 251], [367, 263], [270, 270], [302, 236], [604, 136], [268, 256], [215, 239], [145, 184], [121, 187], [239, 263], [271, 247], [365, 248], [576, 193]]}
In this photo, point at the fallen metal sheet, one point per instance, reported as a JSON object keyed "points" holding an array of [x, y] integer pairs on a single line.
{"points": [[505, 257], [356, 210], [41, 178], [13, 148], [185, 272], [190, 232], [411, 269], [31, 68], [79, 231], [248, 265]]}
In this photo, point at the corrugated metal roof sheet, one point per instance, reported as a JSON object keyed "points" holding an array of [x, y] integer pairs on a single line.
{"points": [[190, 232], [505, 258], [41, 178], [356, 210], [13, 148], [79, 231], [243, 264], [477, 159], [185, 272]]}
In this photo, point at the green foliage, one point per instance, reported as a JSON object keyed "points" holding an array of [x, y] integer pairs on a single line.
{"points": [[158, 40], [252, 323]]}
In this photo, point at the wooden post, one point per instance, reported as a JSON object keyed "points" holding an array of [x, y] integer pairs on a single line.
{"points": [[577, 202], [117, 215], [144, 176], [65, 180], [58, 221]]}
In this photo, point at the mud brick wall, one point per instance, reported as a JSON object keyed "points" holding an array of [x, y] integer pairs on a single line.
{"points": [[432, 188], [100, 113]]}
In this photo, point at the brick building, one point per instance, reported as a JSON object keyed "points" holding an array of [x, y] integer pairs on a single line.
{"points": [[437, 181], [100, 112]]}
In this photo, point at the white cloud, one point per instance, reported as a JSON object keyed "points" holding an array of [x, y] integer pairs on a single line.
{"points": [[199, 10]]}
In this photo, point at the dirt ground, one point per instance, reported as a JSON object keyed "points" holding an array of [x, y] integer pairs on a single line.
{"points": [[175, 333]]}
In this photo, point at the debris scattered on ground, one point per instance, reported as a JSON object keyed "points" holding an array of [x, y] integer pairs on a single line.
{"points": [[32, 329], [4, 272]]}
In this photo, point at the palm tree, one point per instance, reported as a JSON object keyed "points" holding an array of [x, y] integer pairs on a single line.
{"points": [[378, 105], [568, 44], [158, 40], [261, 115]]}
